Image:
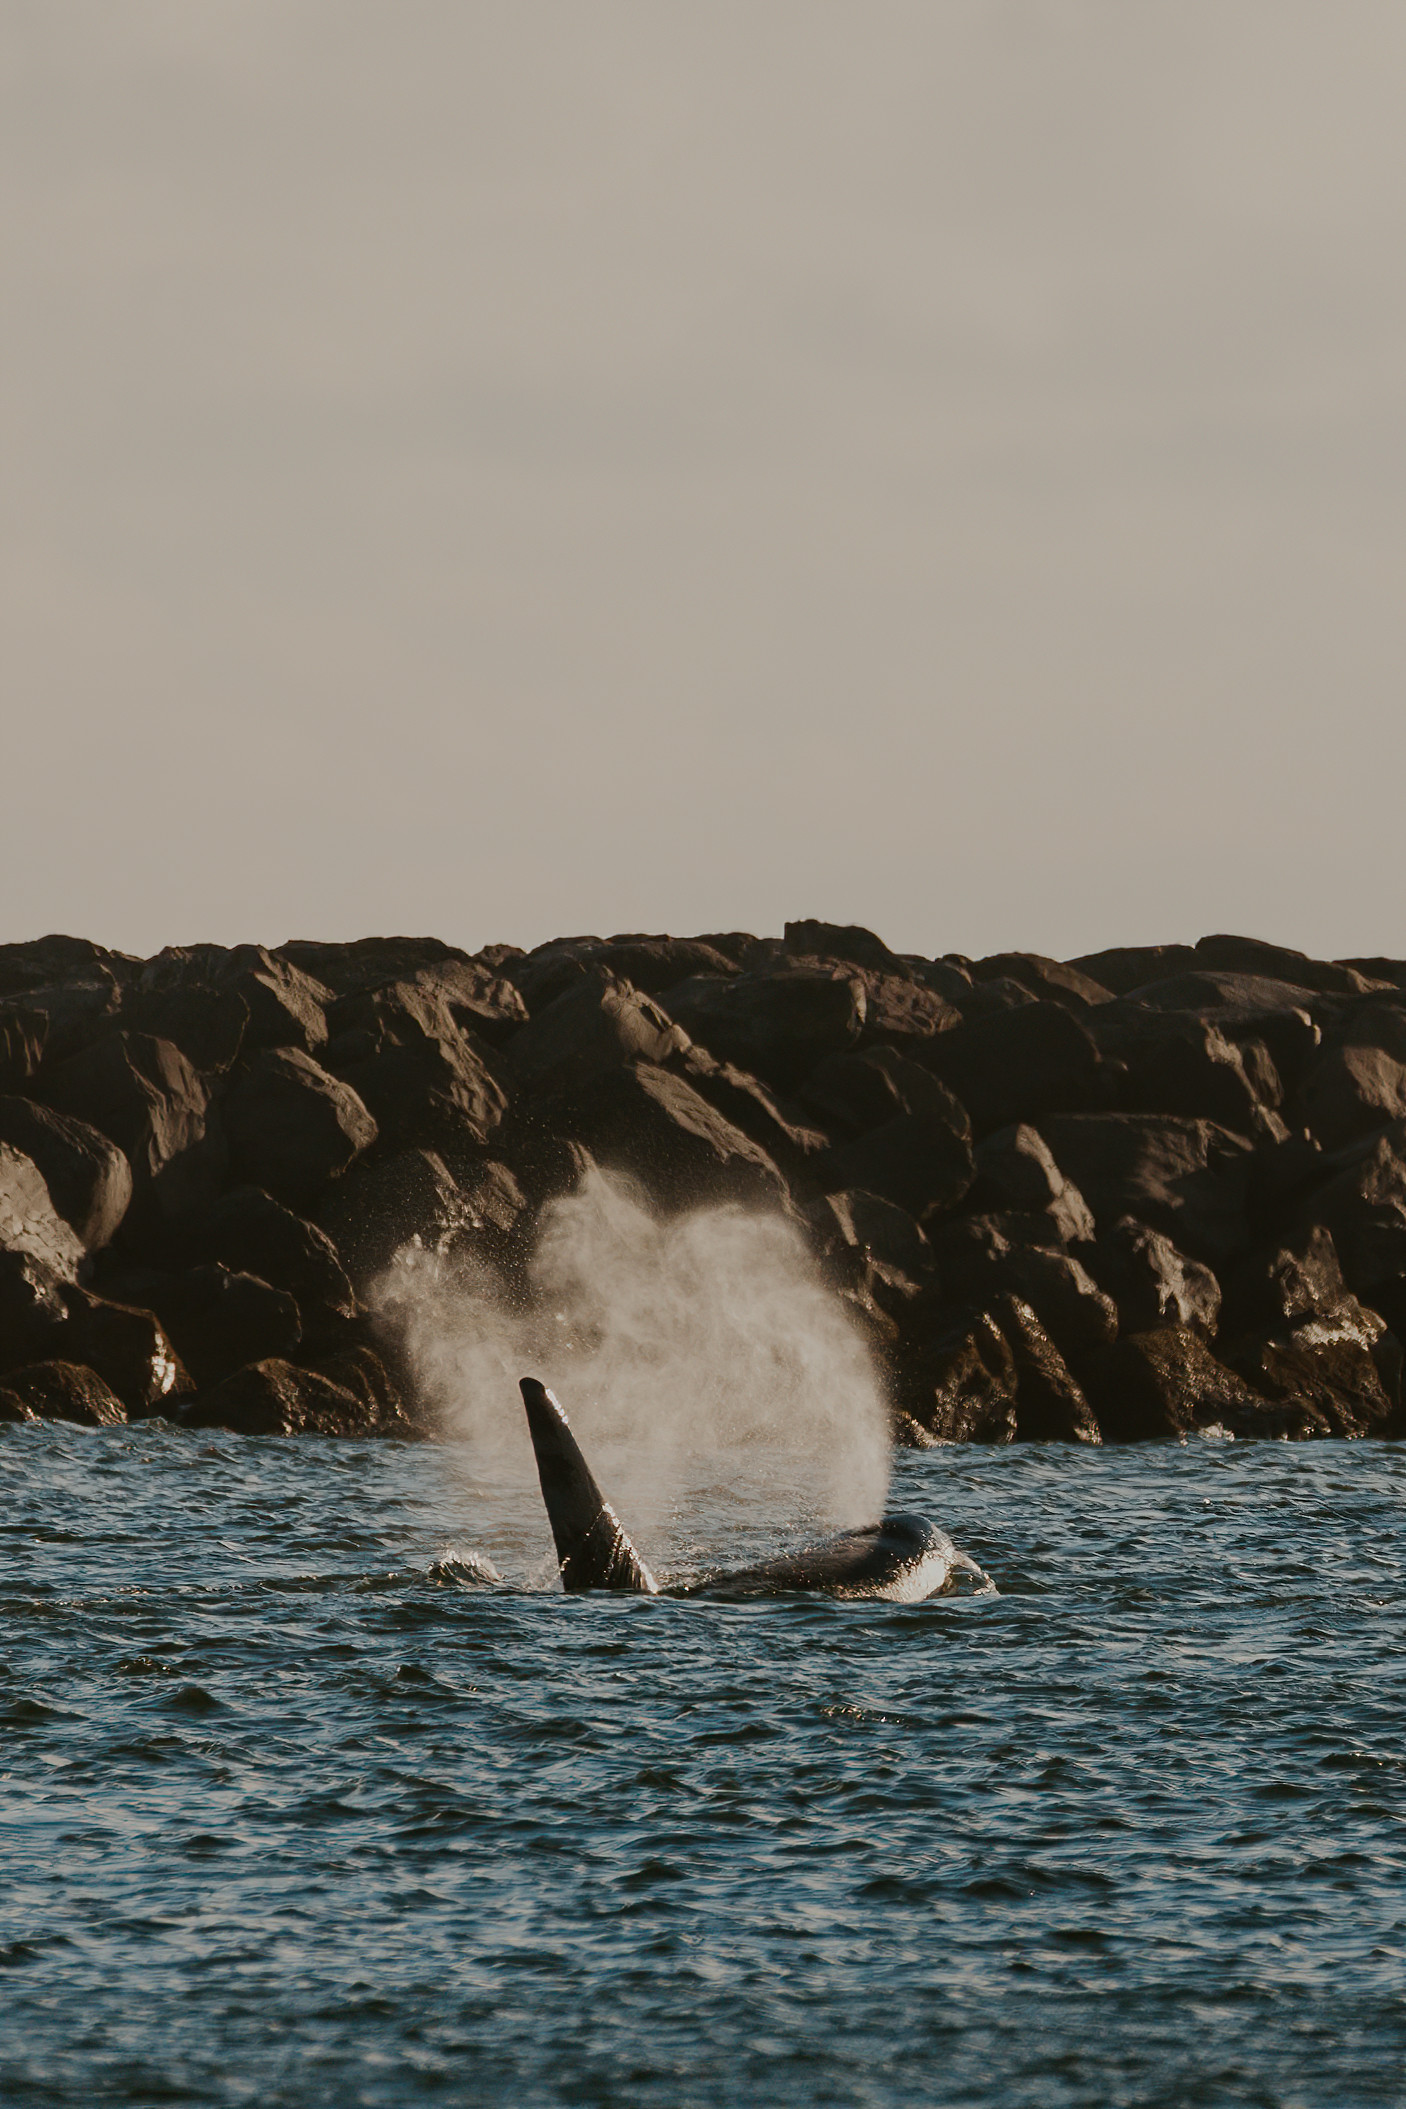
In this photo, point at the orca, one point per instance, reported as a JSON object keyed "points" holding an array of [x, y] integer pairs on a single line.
{"points": [[902, 1559]]}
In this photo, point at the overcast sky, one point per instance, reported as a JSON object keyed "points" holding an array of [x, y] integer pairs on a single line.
{"points": [[499, 470]]}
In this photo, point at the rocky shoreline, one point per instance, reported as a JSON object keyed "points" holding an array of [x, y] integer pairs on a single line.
{"points": [[1155, 1190]]}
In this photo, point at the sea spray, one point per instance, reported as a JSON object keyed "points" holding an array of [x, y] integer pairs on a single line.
{"points": [[715, 1382]]}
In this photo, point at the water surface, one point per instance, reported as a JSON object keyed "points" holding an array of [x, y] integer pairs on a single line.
{"points": [[292, 1816]]}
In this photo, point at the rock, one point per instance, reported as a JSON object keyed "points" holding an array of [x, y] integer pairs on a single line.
{"points": [[1050, 1407], [292, 1126], [920, 1160], [373, 962], [1017, 1065], [1151, 1283], [545, 973], [285, 1007], [1244, 1007], [1251, 955], [88, 1177], [1187, 1178], [29, 1222], [24, 1035], [1362, 1205], [250, 1232], [863, 1090], [1124, 968], [274, 1397], [775, 1023], [653, 1126], [846, 942], [65, 1015], [129, 1348], [361, 1372], [1047, 979], [1340, 1372], [1015, 1170], [420, 1075], [475, 1000], [216, 1320], [32, 1307], [872, 1227], [52, 962], [962, 1387], [1167, 1383], [903, 1014], [59, 1391], [208, 1025], [653, 965], [979, 1258], [386, 1201], [597, 1025], [793, 1146], [1283, 1284], [987, 999], [143, 1095], [1350, 1090], [1175, 1063]]}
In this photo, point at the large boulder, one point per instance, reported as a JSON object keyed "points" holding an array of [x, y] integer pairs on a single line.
{"points": [[1152, 1386], [275, 1397], [1049, 980], [292, 1126], [32, 1307], [1049, 1405], [386, 1202], [29, 1222], [284, 1007], [961, 1387], [1362, 1204], [217, 1320], [921, 1160], [24, 1036], [422, 1077], [856, 1092], [777, 1022], [653, 1126], [598, 1024], [1351, 1089], [1172, 1062], [849, 943], [979, 1258], [1340, 1370], [143, 1095], [1252, 955], [775, 1125], [656, 964], [1123, 968], [59, 1391], [1150, 1282], [250, 1232], [1187, 1178], [88, 1177], [1017, 1065], [868, 1225], [1016, 1171], [129, 1348]]}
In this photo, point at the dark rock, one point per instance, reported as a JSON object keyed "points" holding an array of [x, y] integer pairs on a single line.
{"points": [[777, 1127], [1243, 1008], [846, 942], [1048, 979], [292, 1126], [216, 1320], [1283, 1284], [360, 1371], [285, 1006], [1124, 968], [88, 1177], [250, 1232], [32, 1307], [144, 1096], [29, 1222], [51, 962], [945, 977], [475, 1000], [1017, 1065], [24, 1036], [921, 1160], [209, 1025], [597, 1025], [903, 1014], [865, 1089], [547, 972], [987, 999], [775, 1023], [274, 1397], [1251, 955], [386, 1201], [59, 1391], [979, 1258], [1362, 1204], [962, 1387], [1176, 1063], [421, 1076], [1350, 1090], [1015, 1170], [654, 965], [653, 1126], [1152, 1283], [1340, 1372], [1187, 1178], [129, 1348], [1049, 1406], [1167, 1383], [872, 1227]]}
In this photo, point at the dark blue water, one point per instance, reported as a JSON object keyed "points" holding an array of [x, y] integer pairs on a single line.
{"points": [[292, 1817]]}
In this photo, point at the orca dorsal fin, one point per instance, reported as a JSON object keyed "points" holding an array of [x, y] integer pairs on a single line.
{"points": [[591, 1546]]}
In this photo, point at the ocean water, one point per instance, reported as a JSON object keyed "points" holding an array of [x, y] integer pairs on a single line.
{"points": [[294, 1813]]}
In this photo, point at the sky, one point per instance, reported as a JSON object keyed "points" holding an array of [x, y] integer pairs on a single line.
{"points": [[507, 470]]}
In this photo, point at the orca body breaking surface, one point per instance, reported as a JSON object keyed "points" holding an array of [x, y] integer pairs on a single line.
{"points": [[901, 1560]]}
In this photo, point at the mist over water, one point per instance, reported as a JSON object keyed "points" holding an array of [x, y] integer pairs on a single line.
{"points": [[715, 1384]]}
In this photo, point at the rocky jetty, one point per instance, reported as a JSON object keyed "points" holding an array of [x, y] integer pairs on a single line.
{"points": [[1156, 1190]]}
